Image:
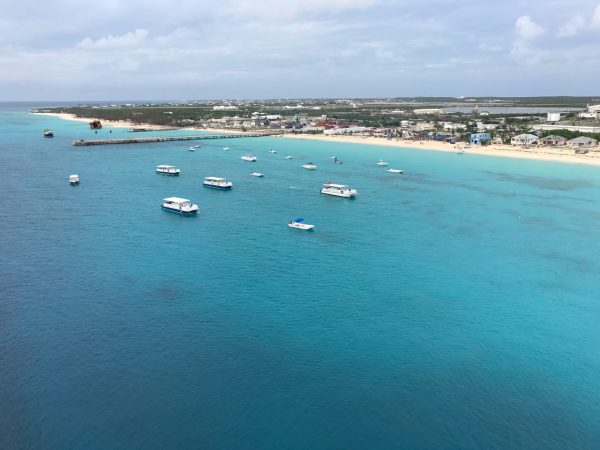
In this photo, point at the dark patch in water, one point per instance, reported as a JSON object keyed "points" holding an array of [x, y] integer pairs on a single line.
{"points": [[556, 184]]}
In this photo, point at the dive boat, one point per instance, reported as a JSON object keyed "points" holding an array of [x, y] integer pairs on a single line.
{"points": [[309, 166], [257, 174], [249, 158], [74, 180], [167, 170], [300, 225], [395, 170], [48, 133], [178, 205], [382, 163], [217, 183], [338, 190]]}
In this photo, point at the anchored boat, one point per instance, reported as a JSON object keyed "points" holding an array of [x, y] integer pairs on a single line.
{"points": [[300, 225], [178, 205], [217, 183], [338, 190], [74, 180], [249, 158], [168, 170]]}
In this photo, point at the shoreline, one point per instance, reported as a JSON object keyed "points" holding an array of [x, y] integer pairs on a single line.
{"points": [[553, 154]]}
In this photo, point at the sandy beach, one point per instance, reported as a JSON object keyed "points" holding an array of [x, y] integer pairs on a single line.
{"points": [[557, 154]]}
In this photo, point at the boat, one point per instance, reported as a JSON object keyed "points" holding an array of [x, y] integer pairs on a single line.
{"points": [[249, 158], [382, 163], [338, 161], [257, 174], [217, 183], [273, 151], [300, 225], [192, 148], [197, 146], [225, 148], [168, 170], [48, 133], [178, 205], [74, 180], [288, 157], [395, 170], [338, 190], [309, 166]]}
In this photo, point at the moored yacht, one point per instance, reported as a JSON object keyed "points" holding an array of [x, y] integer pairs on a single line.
{"points": [[48, 133], [178, 205], [338, 190], [167, 170], [74, 180], [217, 183], [300, 225], [309, 166], [249, 158]]}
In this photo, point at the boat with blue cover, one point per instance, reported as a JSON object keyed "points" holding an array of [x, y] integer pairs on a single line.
{"points": [[300, 225]]}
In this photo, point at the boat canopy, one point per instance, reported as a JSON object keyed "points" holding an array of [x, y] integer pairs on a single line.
{"points": [[176, 200], [214, 179], [299, 219], [339, 186], [164, 166]]}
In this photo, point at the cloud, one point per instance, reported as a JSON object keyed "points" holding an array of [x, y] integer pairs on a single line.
{"points": [[596, 17], [527, 29], [573, 27], [126, 41]]}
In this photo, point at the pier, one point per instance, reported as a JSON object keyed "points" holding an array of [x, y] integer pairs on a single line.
{"points": [[147, 140]]}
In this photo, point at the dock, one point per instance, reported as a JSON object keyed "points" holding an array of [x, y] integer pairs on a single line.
{"points": [[148, 140]]}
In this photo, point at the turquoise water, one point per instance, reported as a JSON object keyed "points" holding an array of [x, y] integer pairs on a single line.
{"points": [[455, 306]]}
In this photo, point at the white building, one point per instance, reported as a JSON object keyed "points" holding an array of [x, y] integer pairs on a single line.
{"points": [[582, 142], [553, 117], [524, 139]]}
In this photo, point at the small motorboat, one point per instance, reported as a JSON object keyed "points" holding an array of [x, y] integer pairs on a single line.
{"points": [[168, 170], [48, 133], [338, 161], [395, 170], [309, 166], [273, 151], [217, 183], [225, 148], [192, 148], [179, 205], [288, 157], [257, 174], [300, 225], [74, 180], [249, 158], [382, 163]]}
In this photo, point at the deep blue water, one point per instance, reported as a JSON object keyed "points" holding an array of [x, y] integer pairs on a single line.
{"points": [[455, 306]]}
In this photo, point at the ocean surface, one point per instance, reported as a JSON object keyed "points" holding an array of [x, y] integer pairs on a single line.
{"points": [[454, 306]]}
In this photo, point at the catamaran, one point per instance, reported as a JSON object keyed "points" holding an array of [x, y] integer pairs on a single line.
{"points": [[168, 170], [179, 205], [338, 190]]}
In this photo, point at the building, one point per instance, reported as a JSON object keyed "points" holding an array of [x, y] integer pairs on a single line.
{"points": [[479, 138], [524, 139], [428, 111], [555, 141], [582, 142], [593, 109], [580, 129], [553, 117]]}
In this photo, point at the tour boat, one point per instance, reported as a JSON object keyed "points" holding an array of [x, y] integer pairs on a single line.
{"points": [[382, 163], [257, 174], [309, 166], [300, 225], [338, 190], [167, 170], [74, 180], [48, 133], [395, 170], [217, 183], [288, 157], [178, 205], [249, 158]]}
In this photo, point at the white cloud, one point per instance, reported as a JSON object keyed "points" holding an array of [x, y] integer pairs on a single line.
{"points": [[573, 27], [596, 17], [527, 29], [128, 40]]}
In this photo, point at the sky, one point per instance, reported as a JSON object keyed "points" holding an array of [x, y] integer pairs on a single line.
{"points": [[246, 49]]}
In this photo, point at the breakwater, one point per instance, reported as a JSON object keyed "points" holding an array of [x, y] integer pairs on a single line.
{"points": [[146, 140]]}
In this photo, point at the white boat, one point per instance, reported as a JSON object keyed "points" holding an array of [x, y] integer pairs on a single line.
{"points": [[257, 174], [249, 158], [192, 149], [309, 166], [382, 163], [167, 170], [217, 183], [74, 180], [273, 151], [48, 133], [395, 170], [225, 148], [288, 157], [338, 190], [178, 205], [300, 225]]}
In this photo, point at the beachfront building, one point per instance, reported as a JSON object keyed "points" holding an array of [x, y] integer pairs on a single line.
{"points": [[583, 142], [480, 138], [524, 139], [552, 140]]}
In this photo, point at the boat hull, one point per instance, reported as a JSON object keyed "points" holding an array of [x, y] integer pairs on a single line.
{"points": [[219, 188], [178, 211], [339, 194], [303, 227], [172, 174]]}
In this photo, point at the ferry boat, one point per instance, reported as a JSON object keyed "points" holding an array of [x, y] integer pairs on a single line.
{"points": [[395, 170], [74, 180], [48, 133], [257, 174], [338, 190], [382, 163], [217, 183], [309, 166], [178, 205], [249, 158], [300, 225], [168, 170]]}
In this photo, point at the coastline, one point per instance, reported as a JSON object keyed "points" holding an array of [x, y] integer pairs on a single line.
{"points": [[554, 154]]}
